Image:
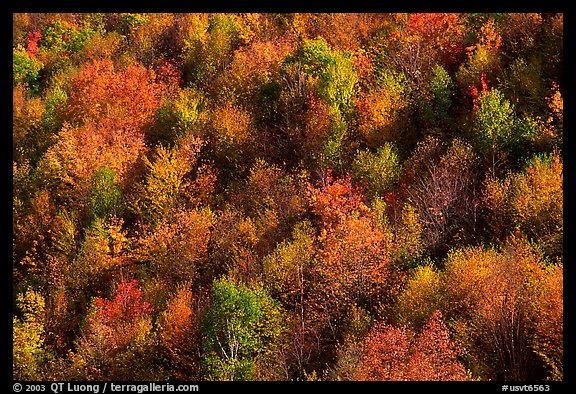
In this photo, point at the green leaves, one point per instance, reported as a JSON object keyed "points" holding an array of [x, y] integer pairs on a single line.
{"points": [[25, 69], [241, 331], [379, 170], [253, 196], [334, 70], [106, 198], [494, 120]]}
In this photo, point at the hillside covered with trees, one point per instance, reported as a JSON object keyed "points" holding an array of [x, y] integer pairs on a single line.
{"points": [[287, 196]]}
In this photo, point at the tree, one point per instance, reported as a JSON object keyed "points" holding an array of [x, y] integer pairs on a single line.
{"points": [[253, 68], [537, 201], [353, 257], [180, 333], [493, 126], [330, 74], [286, 273], [241, 332], [489, 293], [179, 118], [209, 44], [105, 198], [483, 57], [165, 181], [530, 201], [274, 199], [68, 167], [26, 69], [333, 71], [101, 90], [392, 353], [444, 191], [437, 101], [547, 312], [117, 340], [248, 196], [379, 170], [232, 136], [422, 296], [383, 112], [409, 236], [29, 354], [176, 249]]}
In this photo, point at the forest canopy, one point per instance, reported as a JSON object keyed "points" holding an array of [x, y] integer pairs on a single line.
{"points": [[294, 197]]}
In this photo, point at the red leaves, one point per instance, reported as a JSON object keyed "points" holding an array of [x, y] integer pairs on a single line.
{"points": [[392, 353], [355, 251], [32, 45], [435, 356], [441, 32], [384, 351], [127, 305], [473, 91], [337, 199], [168, 74], [100, 90]]}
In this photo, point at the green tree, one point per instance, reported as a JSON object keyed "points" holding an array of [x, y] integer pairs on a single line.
{"points": [[438, 99], [105, 198], [26, 69], [379, 170], [241, 333], [331, 74], [493, 126], [178, 118]]}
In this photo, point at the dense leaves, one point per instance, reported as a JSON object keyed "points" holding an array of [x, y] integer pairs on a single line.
{"points": [[297, 196]]}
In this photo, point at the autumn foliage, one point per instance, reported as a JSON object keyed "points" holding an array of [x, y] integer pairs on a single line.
{"points": [[287, 196]]}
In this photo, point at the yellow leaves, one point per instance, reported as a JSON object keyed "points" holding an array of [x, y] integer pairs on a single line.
{"points": [[32, 305], [556, 102], [537, 195], [284, 268], [422, 296], [409, 241], [465, 271], [194, 31], [489, 36], [117, 237], [28, 336], [248, 24], [27, 116], [381, 111], [177, 248], [232, 132], [252, 67], [81, 151], [165, 180], [299, 25], [148, 34], [547, 315], [497, 296], [103, 249], [231, 125]]}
